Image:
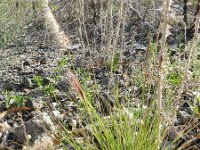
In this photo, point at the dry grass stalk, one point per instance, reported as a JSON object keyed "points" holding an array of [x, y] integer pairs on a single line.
{"points": [[164, 24], [190, 49], [76, 84], [80, 7]]}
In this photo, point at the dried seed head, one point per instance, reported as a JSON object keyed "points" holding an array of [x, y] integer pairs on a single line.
{"points": [[73, 80]]}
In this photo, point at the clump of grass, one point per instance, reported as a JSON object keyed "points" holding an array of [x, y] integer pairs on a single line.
{"points": [[122, 129]]}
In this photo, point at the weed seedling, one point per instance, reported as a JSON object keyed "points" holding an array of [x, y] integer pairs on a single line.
{"points": [[38, 80], [174, 78], [14, 100], [49, 90]]}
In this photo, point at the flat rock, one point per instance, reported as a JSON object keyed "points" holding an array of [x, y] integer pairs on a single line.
{"points": [[33, 128], [184, 117]]}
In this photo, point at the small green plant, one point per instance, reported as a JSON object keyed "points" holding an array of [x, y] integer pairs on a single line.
{"points": [[179, 38], [14, 100], [18, 100], [38, 80], [198, 98], [114, 63], [49, 89], [62, 63], [54, 7], [6, 93], [174, 74], [139, 82], [196, 110], [58, 69], [174, 78]]}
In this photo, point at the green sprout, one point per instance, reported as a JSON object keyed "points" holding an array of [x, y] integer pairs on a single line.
{"points": [[49, 90], [15, 100], [62, 62], [174, 78], [38, 80]]}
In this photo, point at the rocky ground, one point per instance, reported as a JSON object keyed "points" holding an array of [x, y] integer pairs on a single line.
{"points": [[23, 61]]}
